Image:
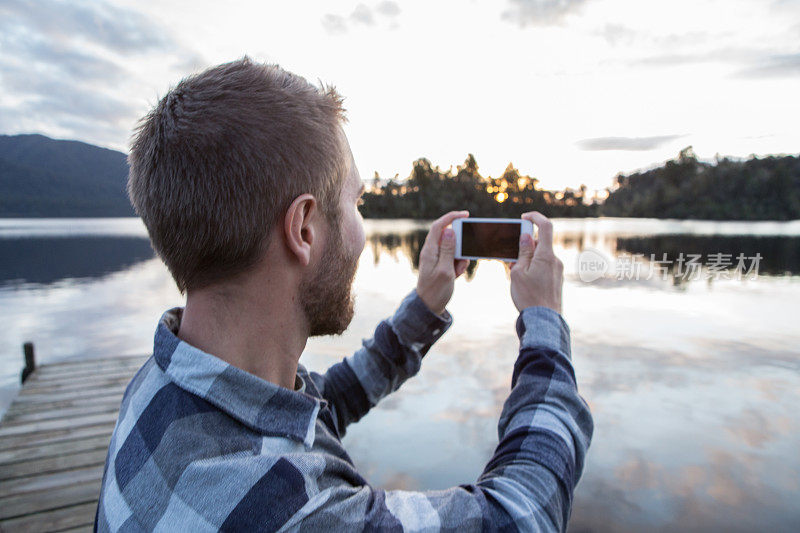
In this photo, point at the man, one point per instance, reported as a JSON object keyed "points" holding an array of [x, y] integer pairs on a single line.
{"points": [[247, 185]]}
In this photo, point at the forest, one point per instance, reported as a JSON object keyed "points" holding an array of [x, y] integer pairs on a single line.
{"points": [[765, 188]]}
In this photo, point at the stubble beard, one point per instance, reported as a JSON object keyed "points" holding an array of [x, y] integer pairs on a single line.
{"points": [[326, 296]]}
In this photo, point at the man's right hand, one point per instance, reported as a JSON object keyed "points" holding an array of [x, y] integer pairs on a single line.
{"points": [[538, 275]]}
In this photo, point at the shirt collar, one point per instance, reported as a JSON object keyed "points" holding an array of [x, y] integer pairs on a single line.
{"points": [[261, 405]]}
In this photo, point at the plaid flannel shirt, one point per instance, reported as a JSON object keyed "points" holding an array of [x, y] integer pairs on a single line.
{"points": [[201, 445]]}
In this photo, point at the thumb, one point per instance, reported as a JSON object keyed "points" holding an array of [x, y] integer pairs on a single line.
{"points": [[525, 251], [447, 250]]}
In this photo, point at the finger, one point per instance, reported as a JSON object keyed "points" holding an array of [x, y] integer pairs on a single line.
{"points": [[461, 266], [525, 251], [545, 230], [435, 233], [447, 249]]}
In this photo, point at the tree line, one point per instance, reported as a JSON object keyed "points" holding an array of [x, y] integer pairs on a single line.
{"points": [[428, 192], [765, 188], [756, 189]]}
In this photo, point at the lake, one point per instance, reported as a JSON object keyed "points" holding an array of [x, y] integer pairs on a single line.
{"points": [[685, 339]]}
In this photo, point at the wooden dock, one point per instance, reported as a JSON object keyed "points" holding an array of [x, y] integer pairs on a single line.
{"points": [[53, 442]]}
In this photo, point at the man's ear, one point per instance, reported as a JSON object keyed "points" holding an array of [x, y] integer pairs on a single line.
{"points": [[300, 227]]}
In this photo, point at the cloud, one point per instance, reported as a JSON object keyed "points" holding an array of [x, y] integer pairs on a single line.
{"points": [[362, 14], [388, 8], [635, 144], [615, 34], [779, 4], [619, 34], [35, 51], [750, 63], [734, 55], [541, 12], [63, 69], [776, 66], [115, 28], [62, 97], [334, 24]]}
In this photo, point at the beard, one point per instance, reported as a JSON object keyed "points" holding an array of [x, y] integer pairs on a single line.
{"points": [[326, 295]]}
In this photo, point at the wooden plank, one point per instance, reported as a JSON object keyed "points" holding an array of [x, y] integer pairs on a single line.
{"points": [[56, 383], [80, 373], [59, 423], [89, 364], [89, 386], [50, 481], [53, 464], [55, 520], [23, 504], [54, 441], [92, 360], [55, 449], [82, 377], [61, 435], [89, 528], [60, 396], [74, 387], [37, 407], [16, 419]]}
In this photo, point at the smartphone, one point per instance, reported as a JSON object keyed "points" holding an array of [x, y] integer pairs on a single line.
{"points": [[489, 238]]}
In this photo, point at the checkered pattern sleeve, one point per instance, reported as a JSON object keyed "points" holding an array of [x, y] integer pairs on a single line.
{"points": [[383, 363], [544, 432]]}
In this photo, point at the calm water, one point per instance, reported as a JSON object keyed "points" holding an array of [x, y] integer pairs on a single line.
{"points": [[693, 380]]}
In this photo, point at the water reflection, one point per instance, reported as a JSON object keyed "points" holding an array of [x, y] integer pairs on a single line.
{"points": [[694, 391], [45, 251], [777, 255], [46, 260], [409, 244]]}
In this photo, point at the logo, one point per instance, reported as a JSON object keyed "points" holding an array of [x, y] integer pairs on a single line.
{"points": [[592, 265]]}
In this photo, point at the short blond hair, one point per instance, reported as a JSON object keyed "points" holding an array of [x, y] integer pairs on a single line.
{"points": [[217, 162]]}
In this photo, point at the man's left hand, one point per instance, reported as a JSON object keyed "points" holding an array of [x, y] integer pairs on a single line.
{"points": [[438, 267]]}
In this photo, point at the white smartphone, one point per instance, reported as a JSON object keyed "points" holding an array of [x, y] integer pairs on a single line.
{"points": [[490, 238]]}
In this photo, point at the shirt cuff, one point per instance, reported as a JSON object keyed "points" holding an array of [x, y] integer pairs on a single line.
{"points": [[414, 322], [542, 327]]}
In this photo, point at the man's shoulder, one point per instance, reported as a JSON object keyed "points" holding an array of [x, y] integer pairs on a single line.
{"points": [[174, 453], [164, 438], [182, 462], [155, 412]]}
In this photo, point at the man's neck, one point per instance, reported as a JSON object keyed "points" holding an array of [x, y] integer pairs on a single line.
{"points": [[258, 328]]}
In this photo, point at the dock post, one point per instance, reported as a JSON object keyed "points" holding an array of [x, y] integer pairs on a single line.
{"points": [[30, 361]]}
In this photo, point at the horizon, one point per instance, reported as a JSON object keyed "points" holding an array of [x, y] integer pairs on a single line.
{"points": [[453, 167]]}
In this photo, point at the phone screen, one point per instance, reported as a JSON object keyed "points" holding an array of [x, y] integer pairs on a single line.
{"points": [[490, 239]]}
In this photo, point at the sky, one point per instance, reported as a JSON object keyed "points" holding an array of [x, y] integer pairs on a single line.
{"points": [[570, 91]]}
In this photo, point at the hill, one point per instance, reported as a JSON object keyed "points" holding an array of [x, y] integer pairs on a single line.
{"points": [[766, 188], [43, 177]]}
